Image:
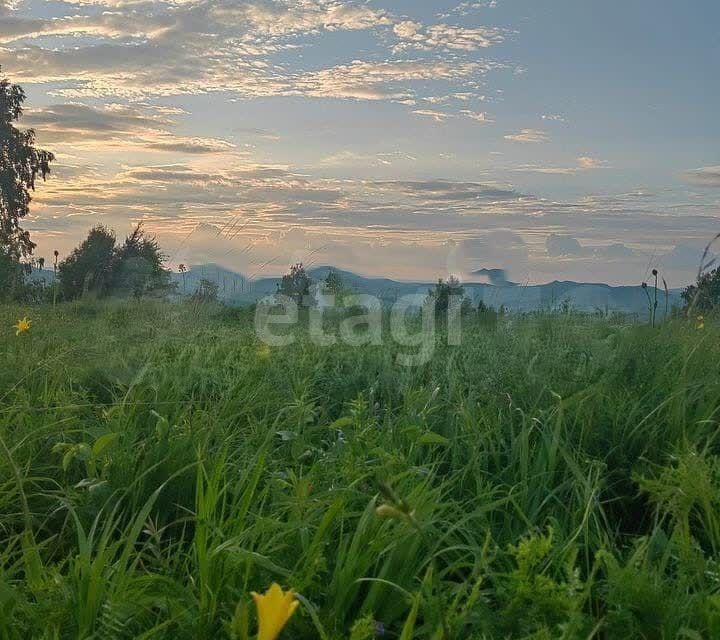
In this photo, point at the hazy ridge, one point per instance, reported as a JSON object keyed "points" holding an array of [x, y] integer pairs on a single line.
{"points": [[236, 288]]}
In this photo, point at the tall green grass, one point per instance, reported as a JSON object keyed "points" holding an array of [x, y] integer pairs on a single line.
{"points": [[559, 474]]}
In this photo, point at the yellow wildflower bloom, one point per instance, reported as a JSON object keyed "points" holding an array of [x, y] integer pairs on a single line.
{"points": [[700, 323], [274, 608], [22, 326]]}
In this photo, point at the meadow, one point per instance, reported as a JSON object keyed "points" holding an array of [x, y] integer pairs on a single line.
{"points": [[555, 476]]}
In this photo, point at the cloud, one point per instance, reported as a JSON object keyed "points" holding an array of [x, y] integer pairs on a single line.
{"points": [[349, 158], [169, 174], [172, 48], [272, 18], [553, 117], [414, 35], [497, 277], [141, 50], [107, 64], [173, 66], [6, 6], [550, 171], [478, 116], [442, 116], [565, 246], [453, 192], [704, 177], [615, 251], [685, 256], [528, 136], [77, 119], [438, 116], [460, 96], [468, 7], [280, 18], [584, 163], [116, 126], [470, 257], [129, 24], [387, 80], [562, 245], [393, 227], [190, 145]]}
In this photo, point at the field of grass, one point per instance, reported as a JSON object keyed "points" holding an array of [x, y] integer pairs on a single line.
{"points": [[556, 476]]}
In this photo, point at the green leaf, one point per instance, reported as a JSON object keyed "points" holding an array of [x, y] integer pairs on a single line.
{"points": [[342, 423], [432, 438], [103, 442], [409, 626]]}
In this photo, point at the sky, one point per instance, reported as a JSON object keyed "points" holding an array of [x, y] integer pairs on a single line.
{"points": [[415, 139]]}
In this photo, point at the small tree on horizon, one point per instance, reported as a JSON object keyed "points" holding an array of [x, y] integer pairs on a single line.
{"points": [[333, 285], [207, 291], [296, 284], [444, 291], [90, 267], [101, 267], [139, 266]]}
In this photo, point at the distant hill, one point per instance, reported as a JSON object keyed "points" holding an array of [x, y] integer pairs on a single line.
{"points": [[236, 288]]}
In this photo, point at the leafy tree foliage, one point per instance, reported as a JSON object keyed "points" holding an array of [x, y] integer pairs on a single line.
{"points": [[704, 295], [207, 291], [89, 268], [296, 284], [333, 284], [446, 290], [12, 277], [20, 165], [487, 316], [101, 267], [139, 266]]}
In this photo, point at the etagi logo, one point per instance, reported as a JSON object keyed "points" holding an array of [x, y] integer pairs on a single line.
{"points": [[362, 321]]}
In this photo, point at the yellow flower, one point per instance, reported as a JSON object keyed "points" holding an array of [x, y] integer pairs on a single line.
{"points": [[700, 323], [22, 326], [274, 608]]}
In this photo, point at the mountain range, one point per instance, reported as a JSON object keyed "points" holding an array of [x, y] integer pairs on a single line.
{"points": [[488, 285]]}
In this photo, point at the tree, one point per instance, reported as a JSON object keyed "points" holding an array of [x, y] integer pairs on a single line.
{"points": [[207, 291], [12, 276], [333, 284], [704, 295], [487, 316], [296, 284], [20, 165], [90, 267], [138, 267], [444, 291], [183, 270], [99, 266]]}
